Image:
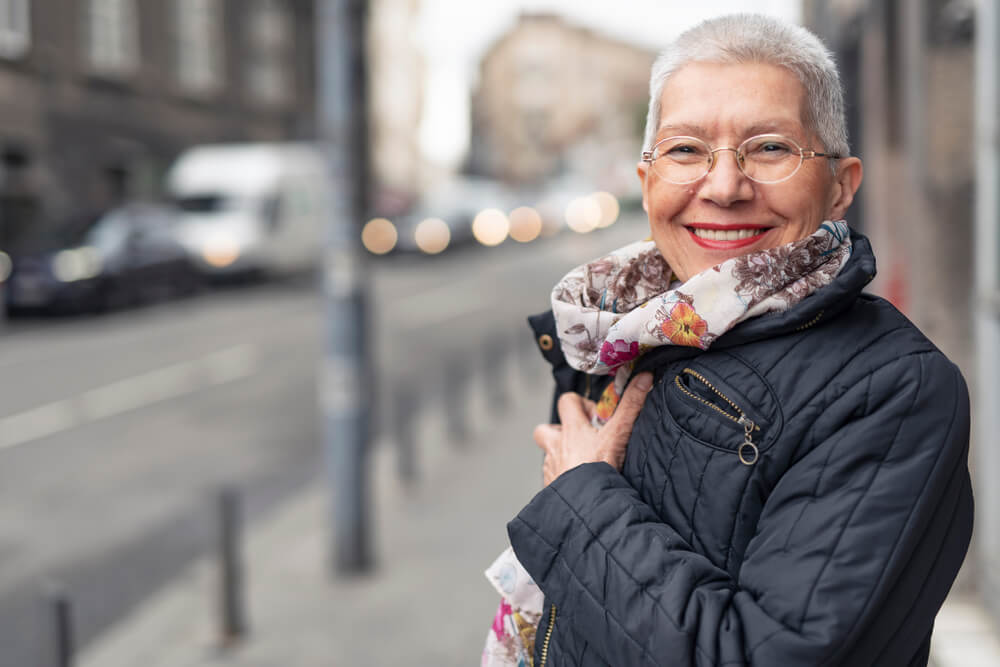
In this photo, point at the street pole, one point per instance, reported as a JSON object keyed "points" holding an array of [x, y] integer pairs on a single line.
{"points": [[987, 297], [345, 382], [5, 269]]}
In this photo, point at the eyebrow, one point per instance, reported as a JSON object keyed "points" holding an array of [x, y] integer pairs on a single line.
{"points": [[762, 127]]}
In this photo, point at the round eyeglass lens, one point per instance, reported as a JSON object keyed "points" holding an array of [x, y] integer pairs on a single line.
{"points": [[681, 160], [769, 158]]}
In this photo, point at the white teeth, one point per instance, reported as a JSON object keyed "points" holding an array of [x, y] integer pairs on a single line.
{"points": [[725, 234]]}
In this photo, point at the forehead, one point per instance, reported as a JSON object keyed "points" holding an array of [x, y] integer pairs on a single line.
{"points": [[732, 99]]}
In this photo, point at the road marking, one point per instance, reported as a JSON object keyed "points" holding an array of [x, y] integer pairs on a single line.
{"points": [[434, 306], [429, 299], [138, 391], [440, 314]]}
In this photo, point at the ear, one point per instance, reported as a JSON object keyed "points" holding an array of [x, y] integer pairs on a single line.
{"points": [[643, 170], [845, 184]]}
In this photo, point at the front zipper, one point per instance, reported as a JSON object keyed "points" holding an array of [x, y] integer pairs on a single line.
{"points": [[747, 451], [548, 636], [810, 322]]}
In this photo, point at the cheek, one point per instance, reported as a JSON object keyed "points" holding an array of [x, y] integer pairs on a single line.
{"points": [[666, 202], [803, 208]]}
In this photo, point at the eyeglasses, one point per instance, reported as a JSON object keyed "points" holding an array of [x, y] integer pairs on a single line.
{"points": [[765, 158]]}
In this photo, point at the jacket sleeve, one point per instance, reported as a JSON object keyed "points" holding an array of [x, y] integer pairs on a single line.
{"points": [[855, 549]]}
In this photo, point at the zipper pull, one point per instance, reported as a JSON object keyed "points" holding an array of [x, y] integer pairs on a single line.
{"points": [[748, 451]]}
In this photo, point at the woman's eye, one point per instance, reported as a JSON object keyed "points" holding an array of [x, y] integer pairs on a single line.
{"points": [[683, 150], [770, 148]]}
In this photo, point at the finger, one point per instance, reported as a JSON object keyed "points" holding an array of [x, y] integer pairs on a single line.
{"points": [[570, 408], [590, 409], [631, 402], [545, 434]]}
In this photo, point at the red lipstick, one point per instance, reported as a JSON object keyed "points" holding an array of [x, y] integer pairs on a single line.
{"points": [[712, 244]]}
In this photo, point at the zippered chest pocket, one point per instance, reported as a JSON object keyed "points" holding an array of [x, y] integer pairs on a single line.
{"points": [[725, 405]]}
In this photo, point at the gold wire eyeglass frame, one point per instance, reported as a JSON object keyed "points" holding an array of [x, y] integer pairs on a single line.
{"points": [[647, 156]]}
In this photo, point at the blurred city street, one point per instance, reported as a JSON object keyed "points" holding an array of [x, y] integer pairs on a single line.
{"points": [[142, 416]]}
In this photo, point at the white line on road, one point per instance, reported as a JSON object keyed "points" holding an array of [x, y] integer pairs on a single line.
{"points": [[441, 314], [436, 305], [138, 391]]}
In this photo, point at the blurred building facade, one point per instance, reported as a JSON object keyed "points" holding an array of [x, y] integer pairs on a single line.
{"points": [[909, 79], [553, 97], [913, 81], [397, 76], [99, 96]]}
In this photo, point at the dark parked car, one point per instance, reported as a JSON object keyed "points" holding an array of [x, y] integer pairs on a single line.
{"points": [[125, 256]]}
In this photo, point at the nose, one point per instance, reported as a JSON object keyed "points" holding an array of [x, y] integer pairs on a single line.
{"points": [[725, 183]]}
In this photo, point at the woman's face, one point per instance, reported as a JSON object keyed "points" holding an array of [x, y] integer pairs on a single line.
{"points": [[724, 105]]}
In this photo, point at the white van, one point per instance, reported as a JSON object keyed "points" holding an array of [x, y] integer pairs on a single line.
{"points": [[251, 208]]}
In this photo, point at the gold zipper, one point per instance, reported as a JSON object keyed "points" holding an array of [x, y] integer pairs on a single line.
{"points": [[548, 636], [747, 451], [810, 322]]}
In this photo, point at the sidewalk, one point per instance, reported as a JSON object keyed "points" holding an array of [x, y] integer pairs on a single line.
{"points": [[964, 635], [427, 603]]}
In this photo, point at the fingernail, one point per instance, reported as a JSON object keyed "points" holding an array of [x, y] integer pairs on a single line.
{"points": [[644, 381]]}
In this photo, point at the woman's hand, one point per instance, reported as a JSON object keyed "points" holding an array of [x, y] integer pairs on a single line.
{"points": [[575, 441]]}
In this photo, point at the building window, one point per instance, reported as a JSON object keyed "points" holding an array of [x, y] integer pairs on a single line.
{"points": [[269, 46], [112, 28], [15, 28], [199, 44]]}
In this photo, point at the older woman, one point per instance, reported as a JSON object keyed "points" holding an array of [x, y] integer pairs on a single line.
{"points": [[784, 481]]}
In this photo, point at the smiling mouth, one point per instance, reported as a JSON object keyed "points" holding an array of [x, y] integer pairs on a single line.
{"points": [[723, 237], [726, 234]]}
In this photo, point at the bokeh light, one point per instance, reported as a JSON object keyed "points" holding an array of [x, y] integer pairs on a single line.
{"points": [[525, 224], [77, 264], [490, 227], [583, 215], [379, 236], [609, 206], [432, 235], [220, 252]]}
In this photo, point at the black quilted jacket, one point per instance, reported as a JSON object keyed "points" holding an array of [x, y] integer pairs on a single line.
{"points": [[832, 542]]}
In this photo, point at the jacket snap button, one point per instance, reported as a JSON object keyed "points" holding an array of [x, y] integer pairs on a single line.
{"points": [[545, 342]]}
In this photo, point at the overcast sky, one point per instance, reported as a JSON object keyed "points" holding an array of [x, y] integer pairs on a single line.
{"points": [[455, 33]]}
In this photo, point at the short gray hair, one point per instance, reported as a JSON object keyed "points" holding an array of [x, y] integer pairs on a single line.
{"points": [[752, 38]]}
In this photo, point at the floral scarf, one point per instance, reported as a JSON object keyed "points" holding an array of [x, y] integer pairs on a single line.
{"points": [[614, 309], [510, 641]]}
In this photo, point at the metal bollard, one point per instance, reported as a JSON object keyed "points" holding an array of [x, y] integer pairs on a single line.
{"points": [[232, 621], [404, 410], [530, 361], [495, 379], [62, 616], [455, 406]]}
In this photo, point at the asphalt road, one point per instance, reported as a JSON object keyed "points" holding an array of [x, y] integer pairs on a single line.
{"points": [[117, 432]]}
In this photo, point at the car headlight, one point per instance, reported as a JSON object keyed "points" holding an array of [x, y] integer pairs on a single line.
{"points": [[77, 264], [220, 252]]}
